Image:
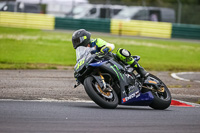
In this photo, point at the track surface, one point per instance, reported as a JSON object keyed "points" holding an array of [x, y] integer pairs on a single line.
{"points": [[66, 117], [58, 84], [53, 117]]}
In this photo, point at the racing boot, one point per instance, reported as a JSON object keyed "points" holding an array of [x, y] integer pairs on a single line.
{"points": [[140, 70]]}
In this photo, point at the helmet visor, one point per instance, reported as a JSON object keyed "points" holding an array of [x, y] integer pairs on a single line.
{"points": [[78, 41]]}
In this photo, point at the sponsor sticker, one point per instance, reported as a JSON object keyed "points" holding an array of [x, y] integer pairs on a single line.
{"points": [[136, 95]]}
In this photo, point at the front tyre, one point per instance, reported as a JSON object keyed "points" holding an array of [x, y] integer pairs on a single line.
{"points": [[162, 97], [107, 100]]}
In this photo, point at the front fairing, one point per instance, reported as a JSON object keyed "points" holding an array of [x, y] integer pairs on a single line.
{"points": [[86, 62], [82, 56]]}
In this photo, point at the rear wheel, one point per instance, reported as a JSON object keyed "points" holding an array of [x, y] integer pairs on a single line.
{"points": [[162, 95], [107, 100]]}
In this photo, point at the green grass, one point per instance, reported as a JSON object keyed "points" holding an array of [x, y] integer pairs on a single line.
{"points": [[30, 49]]}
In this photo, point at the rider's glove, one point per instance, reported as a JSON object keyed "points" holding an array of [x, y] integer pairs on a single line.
{"points": [[100, 54], [104, 50]]}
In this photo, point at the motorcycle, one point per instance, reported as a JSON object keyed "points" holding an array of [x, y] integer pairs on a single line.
{"points": [[109, 82]]}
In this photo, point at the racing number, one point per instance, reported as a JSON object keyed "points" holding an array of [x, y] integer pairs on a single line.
{"points": [[80, 64]]}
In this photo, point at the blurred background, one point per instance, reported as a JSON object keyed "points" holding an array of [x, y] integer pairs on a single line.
{"points": [[174, 11], [37, 33]]}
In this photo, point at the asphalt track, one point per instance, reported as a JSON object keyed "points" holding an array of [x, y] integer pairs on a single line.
{"points": [[59, 85], [46, 115], [80, 117]]}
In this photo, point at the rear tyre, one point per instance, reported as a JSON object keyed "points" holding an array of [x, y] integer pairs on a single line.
{"points": [[108, 100], [162, 100]]}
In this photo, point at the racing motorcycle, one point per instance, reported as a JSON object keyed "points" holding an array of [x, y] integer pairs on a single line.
{"points": [[109, 82]]}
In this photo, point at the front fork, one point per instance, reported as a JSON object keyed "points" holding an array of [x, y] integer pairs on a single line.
{"points": [[99, 79], [103, 81]]}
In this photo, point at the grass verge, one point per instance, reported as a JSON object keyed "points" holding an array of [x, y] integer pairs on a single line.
{"points": [[36, 49]]}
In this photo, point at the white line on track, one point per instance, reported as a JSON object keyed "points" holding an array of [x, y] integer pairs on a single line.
{"points": [[49, 100], [174, 75]]}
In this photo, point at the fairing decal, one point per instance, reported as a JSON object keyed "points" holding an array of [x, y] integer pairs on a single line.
{"points": [[138, 98]]}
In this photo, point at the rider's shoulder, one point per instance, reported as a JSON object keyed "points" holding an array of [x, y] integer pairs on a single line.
{"points": [[96, 40], [99, 39], [99, 42]]}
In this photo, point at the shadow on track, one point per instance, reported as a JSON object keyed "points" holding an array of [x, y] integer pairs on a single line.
{"points": [[120, 107]]}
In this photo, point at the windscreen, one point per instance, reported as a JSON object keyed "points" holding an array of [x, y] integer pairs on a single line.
{"points": [[82, 51]]}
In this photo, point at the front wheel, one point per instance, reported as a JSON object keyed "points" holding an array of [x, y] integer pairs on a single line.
{"points": [[162, 95], [107, 100]]}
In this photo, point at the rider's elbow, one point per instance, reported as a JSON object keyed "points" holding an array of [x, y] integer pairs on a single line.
{"points": [[111, 46]]}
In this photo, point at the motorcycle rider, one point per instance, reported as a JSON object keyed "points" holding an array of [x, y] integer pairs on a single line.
{"points": [[81, 37]]}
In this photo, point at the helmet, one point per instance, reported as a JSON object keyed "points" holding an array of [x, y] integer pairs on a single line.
{"points": [[125, 56], [80, 38]]}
